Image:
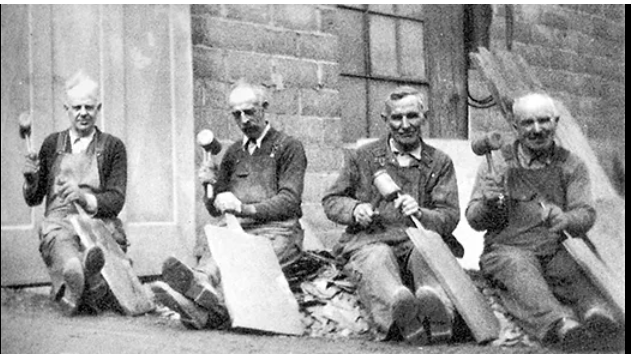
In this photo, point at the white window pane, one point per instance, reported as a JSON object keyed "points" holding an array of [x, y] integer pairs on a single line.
{"points": [[351, 42], [383, 53], [353, 104], [412, 49]]}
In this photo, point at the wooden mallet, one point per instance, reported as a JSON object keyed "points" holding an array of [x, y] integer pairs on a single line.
{"points": [[25, 122], [206, 139], [485, 144]]}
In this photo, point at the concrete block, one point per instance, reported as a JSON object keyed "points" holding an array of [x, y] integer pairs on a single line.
{"points": [[322, 159], [285, 101], [328, 76], [249, 13], [298, 17], [252, 66], [206, 9], [295, 72], [322, 103], [208, 63], [317, 46], [328, 19]]}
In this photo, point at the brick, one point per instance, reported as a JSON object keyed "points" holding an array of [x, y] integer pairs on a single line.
{"points": [[219, 121], [324, 159], [317, 46], [284, 101], [328, 76], [206, 9], [249, 13], [322, 103], [198, 29], [216, 94], [329, 20], [208, 63], [252, 66], [299, 17], [296, 73]]}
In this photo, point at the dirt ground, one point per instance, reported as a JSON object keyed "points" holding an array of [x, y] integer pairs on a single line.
{"points": [[32, 324]]}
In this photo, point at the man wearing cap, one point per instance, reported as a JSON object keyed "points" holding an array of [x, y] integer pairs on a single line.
{"points": [[80, 167], [402, 295]]}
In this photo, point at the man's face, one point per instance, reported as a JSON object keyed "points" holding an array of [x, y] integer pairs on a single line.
{"points": [[536, 128], [405, 120], [248, 113], [83, 110]]}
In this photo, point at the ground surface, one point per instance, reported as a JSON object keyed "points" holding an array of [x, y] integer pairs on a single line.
{"points": [[31, 324]]}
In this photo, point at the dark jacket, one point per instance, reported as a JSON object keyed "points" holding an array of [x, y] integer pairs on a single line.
{"points": [[272, 179], [112, 166], [431, 181]]}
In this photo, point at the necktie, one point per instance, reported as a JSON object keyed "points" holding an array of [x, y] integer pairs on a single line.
{"points": [[251, 146]]}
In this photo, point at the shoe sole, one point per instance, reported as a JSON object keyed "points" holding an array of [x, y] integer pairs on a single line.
{"points": [[181, 278], [601, 325], [436, 315], [73, 288], [405, 316], [94, 261], [189, 316]]}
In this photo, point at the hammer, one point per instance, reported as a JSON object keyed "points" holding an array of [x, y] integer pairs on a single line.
{"points": [[25, 122], [485, 145], [206, 139]]}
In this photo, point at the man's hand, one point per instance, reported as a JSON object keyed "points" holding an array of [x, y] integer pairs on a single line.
{"points": [[493, 192], [69, 191], [363, 214], [31, 167], [557, 219], [408, 205], [228, 202], [206, 173]]}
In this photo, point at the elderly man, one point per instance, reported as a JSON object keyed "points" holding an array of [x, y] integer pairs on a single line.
{"points": [[260, 180], [394, 282], [78, 167], [539, 191]]}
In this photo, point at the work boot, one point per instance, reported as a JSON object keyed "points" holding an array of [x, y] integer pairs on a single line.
{"points": [[437, 317], [405, 316], [192, 315], [93, 261], [73, 287], [601, 322], [567, 333], [183, 279]]}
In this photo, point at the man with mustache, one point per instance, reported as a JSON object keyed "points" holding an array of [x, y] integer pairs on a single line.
{"points": [[538, 191], [260, 180], [402, 295]]}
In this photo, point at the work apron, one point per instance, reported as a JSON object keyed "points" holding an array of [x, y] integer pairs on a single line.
{"points": [[59, 241]]}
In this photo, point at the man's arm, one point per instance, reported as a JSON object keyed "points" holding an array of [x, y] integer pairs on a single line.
{"points": [[339, 200], [580, 204], [444, 214], [291, 175], [35, 189], [482, 213], [111, 198]]}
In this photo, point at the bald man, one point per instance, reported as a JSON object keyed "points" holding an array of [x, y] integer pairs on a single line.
{"points": [[260, 180], [539, 191], [77, 166]]}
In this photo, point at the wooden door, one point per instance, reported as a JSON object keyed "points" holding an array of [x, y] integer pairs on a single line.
{"points": [[142, 57]]}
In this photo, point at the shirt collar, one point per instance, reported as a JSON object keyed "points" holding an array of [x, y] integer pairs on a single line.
{"points": [[416, 153], [529, 160], [80, 143], [259, 140]]}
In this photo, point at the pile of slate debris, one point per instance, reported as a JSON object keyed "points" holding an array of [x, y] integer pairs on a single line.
{"points": [[331, 308]]}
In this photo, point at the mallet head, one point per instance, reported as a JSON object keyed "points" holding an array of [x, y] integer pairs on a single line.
{"points": [[206, 139], [25, 122], [487, 143], [385, 185]]}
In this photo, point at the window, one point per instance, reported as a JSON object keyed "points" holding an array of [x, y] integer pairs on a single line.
{"points": [[384, 46]]}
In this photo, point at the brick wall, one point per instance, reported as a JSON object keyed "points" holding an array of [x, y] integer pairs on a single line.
{"points": [[290, 49], [578, 52]]}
